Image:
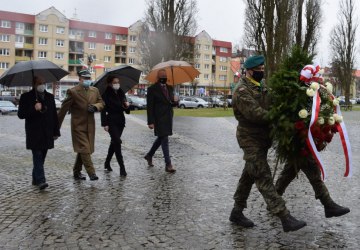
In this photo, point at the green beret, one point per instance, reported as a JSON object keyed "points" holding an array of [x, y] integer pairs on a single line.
{"points": [[254, 61]]}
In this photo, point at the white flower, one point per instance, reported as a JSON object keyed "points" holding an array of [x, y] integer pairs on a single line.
{"points": [[314, 85], [303, 113], [331, 121], [338, 118], [320, 120], [310, 92], [336, 102], [329, 87]]}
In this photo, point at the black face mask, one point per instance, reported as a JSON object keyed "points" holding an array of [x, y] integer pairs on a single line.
{"points": [[258, 75], [163, 80]]}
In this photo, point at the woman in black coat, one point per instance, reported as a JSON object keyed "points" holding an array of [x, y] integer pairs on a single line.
{"points": [[113, 120], [38, 109]]}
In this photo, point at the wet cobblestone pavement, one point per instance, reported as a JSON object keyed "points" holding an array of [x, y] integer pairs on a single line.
{"points": [[154, 209]]}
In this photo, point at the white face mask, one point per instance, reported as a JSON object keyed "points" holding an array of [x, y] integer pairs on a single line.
{"points": [[87, 83], [40, 88], [116, 86]]}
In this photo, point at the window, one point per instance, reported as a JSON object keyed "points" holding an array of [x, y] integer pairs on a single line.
{"points": [[207, 47], [223, 59], [131, 60], [124, 37], [72, 32], [5, 24], [107, 58], [131, 49], [107, 47], [92, 45], [117, 37], [207, 66], [4, 52], [59, 55], [92, 34], [60, 43], [60, 30], [197, 56], [224, 50], [42, 54], [198, 46], [197, 65], [5, 38], [19, 26], [43, 41], [206, 76], [207, 57], [4, 65], [132, 38], [19, 39], [223, 68], [222, 77], [43, 28], [108, 35]]}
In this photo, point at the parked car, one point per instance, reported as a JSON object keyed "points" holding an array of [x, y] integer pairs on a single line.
{"points": [[7, 107], [58, 103], [213, 101], [357, 100], [14, 99], [136, 102], [192, 102], [229, 100]]}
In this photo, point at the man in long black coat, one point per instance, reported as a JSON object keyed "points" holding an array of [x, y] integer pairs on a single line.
{"points": [[160, 102], [38, 109]]}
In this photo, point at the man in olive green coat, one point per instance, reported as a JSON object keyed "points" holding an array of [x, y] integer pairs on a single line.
{"points": [[250, 104], [82, 101]]}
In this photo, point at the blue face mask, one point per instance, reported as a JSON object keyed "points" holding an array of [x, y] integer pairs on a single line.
{"points": [[87, 83]]}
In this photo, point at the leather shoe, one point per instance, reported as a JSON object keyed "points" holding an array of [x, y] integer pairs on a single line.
{"points": [[43, 185], [149, 160], [335, 210], [239, 218], [170, 169], [79, 176], [93, 177], [107, 166]]}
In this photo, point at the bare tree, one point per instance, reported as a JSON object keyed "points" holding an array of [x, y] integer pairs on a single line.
{"points": [[167, 31], [343, 46]]}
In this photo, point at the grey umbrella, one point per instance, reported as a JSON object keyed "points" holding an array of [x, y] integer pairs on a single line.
{"points": [[128, 76], [22, 73]]}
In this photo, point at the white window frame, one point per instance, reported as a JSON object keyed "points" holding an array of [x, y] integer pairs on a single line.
{"points": [[206, 76], [117, 37], [60, 30], [19, 26], [92, 34], [222, 77], [131, 60], [223, 59], [4, 65], [19, 39], [107, 59], [223, 50], [72, 32], [5, 52], [197, 65], [132, 38], [4, 38], [107, 47], [42, 54], [207, 47], [60, 42], [92, 45], [59, 55], [5, 24], [207, 57], [197, 56], [223, 68], [207, 66], [108, 35], [43, 28], [198, 46], [132, 50], [43, 41]]}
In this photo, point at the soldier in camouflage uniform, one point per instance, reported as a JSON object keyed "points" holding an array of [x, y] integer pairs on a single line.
{"points": [[250, 104]]}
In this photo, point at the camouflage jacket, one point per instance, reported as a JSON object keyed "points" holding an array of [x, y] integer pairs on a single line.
{"points": [[250, 104]]}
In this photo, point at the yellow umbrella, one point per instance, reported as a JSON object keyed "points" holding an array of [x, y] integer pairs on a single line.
{"points": [[177, 72]]}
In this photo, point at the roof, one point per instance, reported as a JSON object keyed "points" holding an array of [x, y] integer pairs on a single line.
{"points": [[235, 66], [17, 17], [75, 24], [357, 73], [217, 43]]}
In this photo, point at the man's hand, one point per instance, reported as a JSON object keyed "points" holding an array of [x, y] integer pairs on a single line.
{"points": [[38, 106], [106, 128], [126, 105], [92, 108], [151, 126]]}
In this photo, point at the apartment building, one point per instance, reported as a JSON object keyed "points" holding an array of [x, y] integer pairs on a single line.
{"points": [[73, 44]]}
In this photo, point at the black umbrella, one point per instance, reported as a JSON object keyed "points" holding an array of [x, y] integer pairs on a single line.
{"points": [[128, 76], [22, 73]]}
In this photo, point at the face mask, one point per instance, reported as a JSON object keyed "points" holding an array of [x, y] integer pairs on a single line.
{"points": [[258, 75], [87, 83], [40, 88], [163, 80], [116, 86]]}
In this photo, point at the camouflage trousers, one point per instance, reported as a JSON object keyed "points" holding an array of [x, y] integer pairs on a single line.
{"points": [[257, 170], [312, 172]]}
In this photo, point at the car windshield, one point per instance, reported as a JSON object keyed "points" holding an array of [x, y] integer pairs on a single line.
{"points": [[6, 104]]}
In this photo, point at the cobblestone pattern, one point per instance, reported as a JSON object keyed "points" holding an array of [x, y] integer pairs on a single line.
{"points": [[154, 209]]}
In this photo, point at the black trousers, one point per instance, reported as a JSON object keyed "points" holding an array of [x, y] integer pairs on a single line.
{"points": [[162, 141], [115, 133]]}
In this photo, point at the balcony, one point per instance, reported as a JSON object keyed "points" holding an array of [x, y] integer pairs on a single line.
{"points": [[29, 32], [74, 61], [22, 58], [120, 53], [76, 50], [28, 46]]}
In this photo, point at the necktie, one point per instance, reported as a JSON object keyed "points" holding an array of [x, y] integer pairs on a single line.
{"points": [[165, 90]]}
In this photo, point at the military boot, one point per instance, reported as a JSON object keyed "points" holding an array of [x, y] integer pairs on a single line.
{"points": [[289, 223], [239, 218], [335, 210]]}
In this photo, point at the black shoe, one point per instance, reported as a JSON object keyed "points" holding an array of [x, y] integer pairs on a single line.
{"points": [[93, 177], [79, 176], [149, 160], [43, 185], [239, 218], [107, 166], [335, 210], [33, 183], [123, 171], [289, 223]]}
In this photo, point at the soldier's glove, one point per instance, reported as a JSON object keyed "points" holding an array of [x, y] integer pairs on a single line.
{"points": [[92, 109]]}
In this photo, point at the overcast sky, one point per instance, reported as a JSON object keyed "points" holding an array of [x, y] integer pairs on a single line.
{"points": [[222, 19]]}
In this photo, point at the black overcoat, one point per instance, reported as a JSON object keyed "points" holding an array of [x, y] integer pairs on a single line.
{"points": [[40, 127], [113, 113], [160, 109]]}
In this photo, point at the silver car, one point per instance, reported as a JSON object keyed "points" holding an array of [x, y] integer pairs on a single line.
{"points": [[7, 107], [192, 102]]}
